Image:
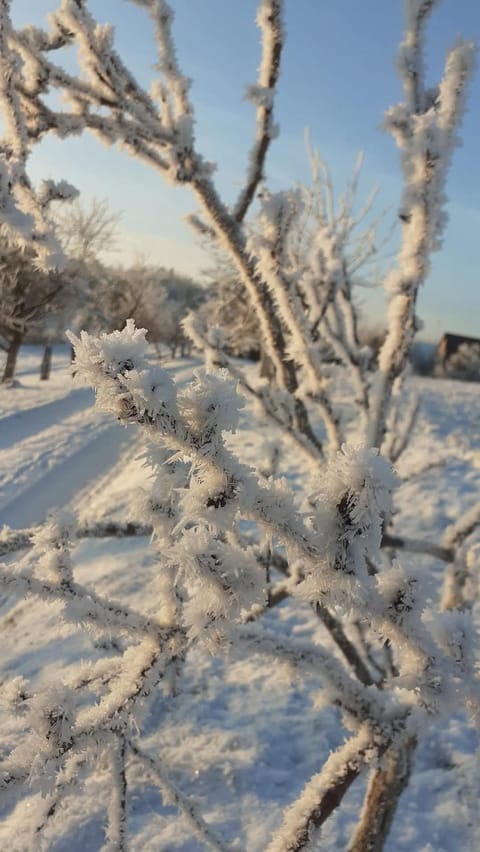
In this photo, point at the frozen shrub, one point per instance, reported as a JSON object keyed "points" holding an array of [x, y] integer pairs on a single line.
{"points": [[220, 528]]}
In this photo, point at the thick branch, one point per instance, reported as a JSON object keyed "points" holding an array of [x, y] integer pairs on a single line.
{"points": [[386, 785], [323, 794]]}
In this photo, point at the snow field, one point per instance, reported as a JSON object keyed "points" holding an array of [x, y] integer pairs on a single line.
{"points": [[242, 736]]}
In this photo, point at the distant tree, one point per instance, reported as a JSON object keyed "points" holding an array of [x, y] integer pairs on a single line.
{"points": [[27, 239], [87, 230], [158, 299], [228, 307], [184, 295], [26, 296], [46, 363], [35, 300], [328, 249], [131, 292]]}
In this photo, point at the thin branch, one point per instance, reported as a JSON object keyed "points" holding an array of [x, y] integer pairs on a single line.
{"points": [[269, 19], [457, 533], [363, 702], [335, 628], [305, 440], [12, 540], [92, 607], [117, 831], [445, 554], [52, 803], [200, 828]]}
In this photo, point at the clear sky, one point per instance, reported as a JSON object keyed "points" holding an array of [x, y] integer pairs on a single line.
{"points": [[338, 77]]}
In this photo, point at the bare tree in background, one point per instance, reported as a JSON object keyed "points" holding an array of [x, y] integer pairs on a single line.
{"points": [[87, 230], [228, 309], [26, 296]]}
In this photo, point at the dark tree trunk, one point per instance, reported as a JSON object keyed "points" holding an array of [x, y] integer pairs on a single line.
{"points": [[267, 370], [46, 364], [12, 353]]}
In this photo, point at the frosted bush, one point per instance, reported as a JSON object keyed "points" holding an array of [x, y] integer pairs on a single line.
{"points": [[232, 543]]}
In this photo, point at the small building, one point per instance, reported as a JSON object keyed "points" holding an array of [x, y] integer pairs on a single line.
{"points": [[458, 357], [449, 344]]}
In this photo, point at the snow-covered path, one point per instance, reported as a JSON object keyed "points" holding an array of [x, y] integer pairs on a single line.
{"points": [[52, 451], [30, 421], [53, 477], [49, 452]]}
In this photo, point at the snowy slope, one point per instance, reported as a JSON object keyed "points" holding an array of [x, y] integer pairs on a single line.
{"points": [[28, 392], [241, 737], [53, 442]]}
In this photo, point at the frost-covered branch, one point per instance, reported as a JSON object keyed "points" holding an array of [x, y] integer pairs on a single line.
{"points": [[117, 811], [63, 728], [159, 129], [336, 546], [401, 422], [13, 540], [396, 542], [425, 129], [386, 784], [269, 19], [201, 830], [357, 700], [458, 590], [22, 206], [211, 343], [89, 605], [458, 532], [298, 267], [323, 794]]}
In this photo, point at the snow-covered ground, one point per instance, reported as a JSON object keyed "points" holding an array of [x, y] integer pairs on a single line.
{"points": [[240, 737]]}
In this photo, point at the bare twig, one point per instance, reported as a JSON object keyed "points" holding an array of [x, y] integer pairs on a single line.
{"points": [[200, 828], [269, 19], [445, 554]]}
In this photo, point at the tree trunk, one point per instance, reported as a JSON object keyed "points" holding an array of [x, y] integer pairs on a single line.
{"points": [[46, 364], [12, 353], [385, 787], [267, 370]]}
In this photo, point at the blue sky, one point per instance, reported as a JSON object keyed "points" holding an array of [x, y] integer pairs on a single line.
{"points": [[338, 77]]}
